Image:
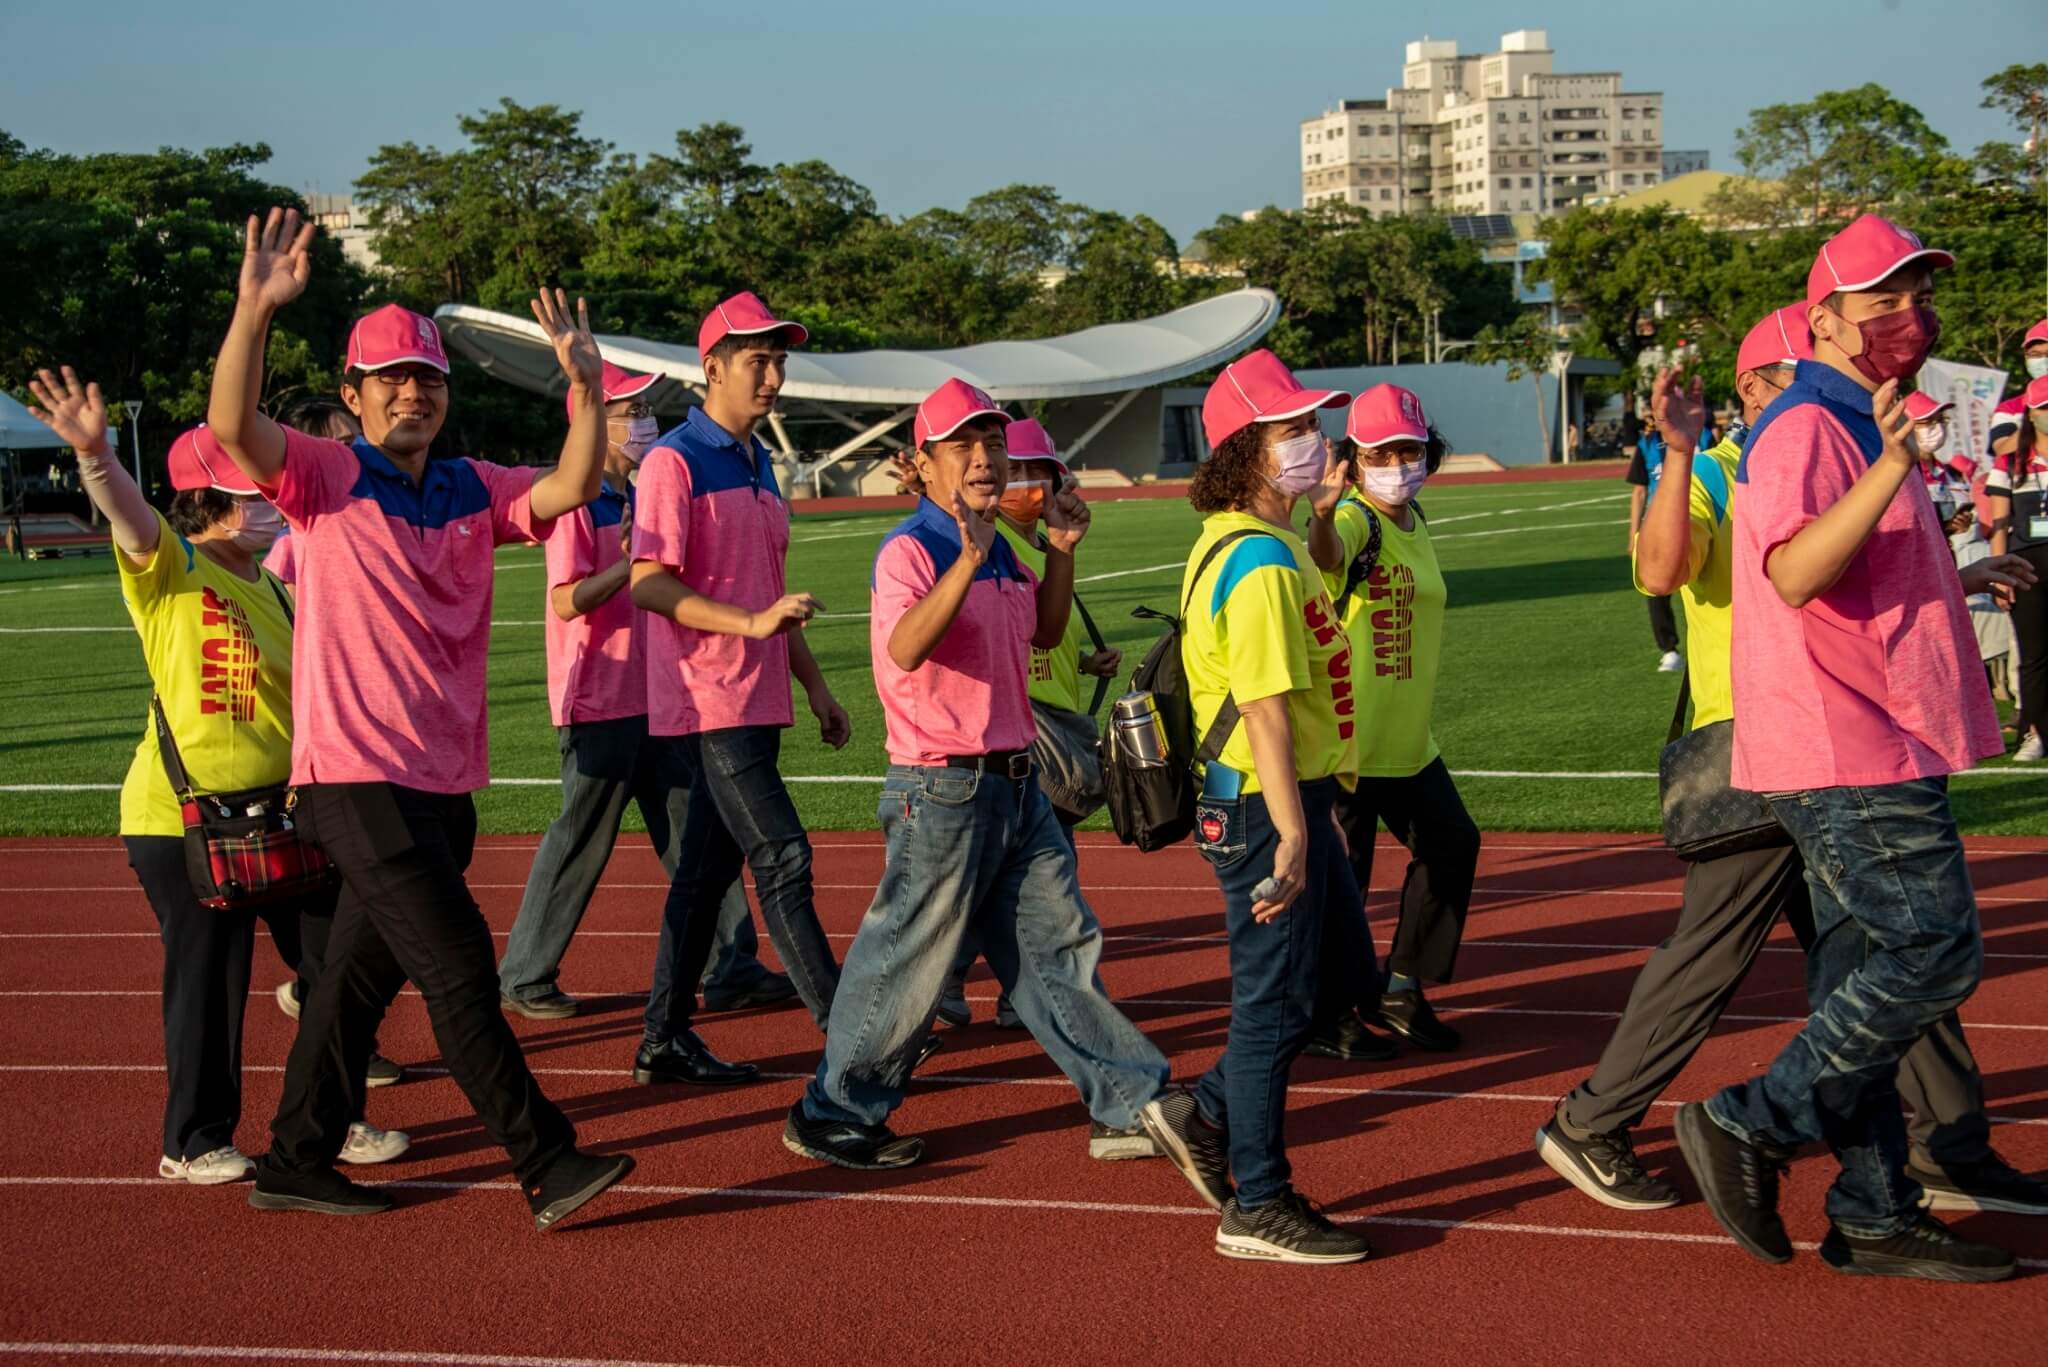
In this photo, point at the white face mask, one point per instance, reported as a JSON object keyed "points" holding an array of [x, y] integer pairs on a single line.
{"points": [[1931, 436], [641, 433], [2037, 366], [1393, 485], [2039, 417], [260, 525], [1302, 461]]}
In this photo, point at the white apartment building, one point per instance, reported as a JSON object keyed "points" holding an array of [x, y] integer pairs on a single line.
{"points": [[1493, 133]]}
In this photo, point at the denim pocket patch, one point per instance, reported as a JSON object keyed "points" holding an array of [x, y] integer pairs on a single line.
{"points": [[1219, 830], [951, 787]]}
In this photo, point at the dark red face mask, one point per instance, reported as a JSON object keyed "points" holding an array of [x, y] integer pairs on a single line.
{"points": [[1895, 345]]}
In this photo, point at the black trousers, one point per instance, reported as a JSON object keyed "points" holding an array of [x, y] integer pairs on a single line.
{"points": [[1729, 908], [405, 913], [207, 967], [1425, 813], [2030, 626], [1663, 623]]}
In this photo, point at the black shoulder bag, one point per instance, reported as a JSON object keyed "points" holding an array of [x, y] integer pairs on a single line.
{"points": [[1704, 817]]}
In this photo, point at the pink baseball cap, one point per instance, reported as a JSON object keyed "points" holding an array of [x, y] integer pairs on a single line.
{"points": [[619, 383], [395, 336], [1257, 387], [949, 407], [2037, 333], [1781, 337], [1921, 406], [2037, 393], [744, 315], [1028, 440], [199, 461], [1863, 254], [1386, 413]]}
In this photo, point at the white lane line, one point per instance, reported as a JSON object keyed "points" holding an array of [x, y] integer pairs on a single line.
{"points": [[941, 1200], [274, 1353], [1517, 512]]}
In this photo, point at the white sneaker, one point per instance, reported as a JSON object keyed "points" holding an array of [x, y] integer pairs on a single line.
{"points": [[368, 1144], [207, 1170], [2030, 749], [288, 997], [1670, 662]]}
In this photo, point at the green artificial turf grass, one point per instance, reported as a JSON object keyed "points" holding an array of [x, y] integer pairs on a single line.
{"points": [[1548, 667]]}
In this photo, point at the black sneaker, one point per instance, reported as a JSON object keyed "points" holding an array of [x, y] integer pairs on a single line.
{"points": [[1287, 1230], [770, 989], [932, 1044], [382, 1072], [1739, 1182], [1112, 1145], [570, 1181], [1604, 1167], [685, 1058], [1199, 1149], [1006, 1015], [325, 1192], [1927, 1250], [1992, 1184], [953, 1008], [551, 1005], [848, 1146], [1351, 1039], [1408, 1015]]}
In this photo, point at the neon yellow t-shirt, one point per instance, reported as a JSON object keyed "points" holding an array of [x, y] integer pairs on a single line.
{"points": [[1258, 624], [1708, 594], [219, 653], [1056, 673], [1395, 621]]}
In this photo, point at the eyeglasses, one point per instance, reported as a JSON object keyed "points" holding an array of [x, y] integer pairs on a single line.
{"points": [[397, 376], [637, 410], [1384, 457]]}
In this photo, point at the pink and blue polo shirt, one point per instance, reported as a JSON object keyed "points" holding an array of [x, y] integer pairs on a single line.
{"points": [[394, 611], [597, 663], [973, 695], [1877, 680], [707, 510]]}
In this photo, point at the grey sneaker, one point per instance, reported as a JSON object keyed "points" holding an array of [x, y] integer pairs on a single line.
{"points": [[1992, 1184], [1111, 1145], [1199, 1149], [1926, 1250], [1604, 1167], [1287, 1230]]}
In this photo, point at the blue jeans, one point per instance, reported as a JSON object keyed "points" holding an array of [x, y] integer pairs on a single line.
{"points": [[970, 943], [738, 812], [967, 849], [1896, 948], [1273, 973], [606, 764]]}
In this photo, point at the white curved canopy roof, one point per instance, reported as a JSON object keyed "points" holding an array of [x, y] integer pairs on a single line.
{"points": [[1112, 359]]}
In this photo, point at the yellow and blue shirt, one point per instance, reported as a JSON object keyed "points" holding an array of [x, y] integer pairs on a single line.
{"points": [[1395, 623]]}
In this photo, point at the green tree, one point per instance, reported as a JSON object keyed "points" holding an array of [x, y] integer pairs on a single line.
{"points": [[2020, 92], [1842, 153]]}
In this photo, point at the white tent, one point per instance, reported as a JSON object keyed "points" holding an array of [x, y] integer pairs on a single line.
{"points": [[20, 432]]}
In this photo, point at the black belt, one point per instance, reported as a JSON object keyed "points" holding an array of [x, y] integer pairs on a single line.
{"points": [[1009, 763]]}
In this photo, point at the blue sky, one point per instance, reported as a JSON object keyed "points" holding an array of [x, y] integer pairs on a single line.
{"points": [[1183, 111]]}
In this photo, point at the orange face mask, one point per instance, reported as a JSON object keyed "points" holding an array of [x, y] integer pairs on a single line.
{"points": [[1024, 500]]}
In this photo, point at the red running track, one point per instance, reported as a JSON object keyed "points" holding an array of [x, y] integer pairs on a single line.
{"points": [[1008, 1244]]}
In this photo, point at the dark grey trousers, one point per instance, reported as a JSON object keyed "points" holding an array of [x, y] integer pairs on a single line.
{"points": [[605, 765], [1730, 905]]}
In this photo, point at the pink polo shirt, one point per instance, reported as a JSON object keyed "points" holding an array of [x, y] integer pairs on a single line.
{"points": [[1877, 680], [394, 611], [707, 509], [597, 663], [973, 695]]}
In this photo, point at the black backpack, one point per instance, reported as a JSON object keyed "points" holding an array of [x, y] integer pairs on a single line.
{"points": [[1153, 806], [1367, 558]]}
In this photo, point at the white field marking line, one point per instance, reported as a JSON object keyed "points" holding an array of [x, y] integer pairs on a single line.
{"points": [[926, 1079], [901, 1198], [295, 1354], [1517, 512]]}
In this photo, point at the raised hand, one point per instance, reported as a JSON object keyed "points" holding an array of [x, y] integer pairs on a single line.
{"points": [[575, 347], [277, 260], [904, 466], [789, 611], [74, 412], [1680, 411], [1894, 424], [1323, 498], [978, 530], [1066, 520]]}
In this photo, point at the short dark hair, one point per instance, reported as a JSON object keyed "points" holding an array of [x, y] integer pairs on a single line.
{"points": [[353, 376], [1234, 473], [733, 343], [194, 510], [321, 416]]}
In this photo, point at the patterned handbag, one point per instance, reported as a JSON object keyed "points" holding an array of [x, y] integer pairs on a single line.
{"points": [[1704, 817]]}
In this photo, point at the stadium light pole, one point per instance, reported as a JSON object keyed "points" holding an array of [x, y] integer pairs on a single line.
{"points": [[134, 407]]}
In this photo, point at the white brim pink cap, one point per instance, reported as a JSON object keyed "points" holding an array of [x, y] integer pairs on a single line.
{"points": [[395, 336], [1865, 254], [950, 407], [2037, 393], [619, 383], [1386, 413], [1027, 439], [198, 461], [1780, 337], [1258, 387], [744, 315], [1924, 407]]}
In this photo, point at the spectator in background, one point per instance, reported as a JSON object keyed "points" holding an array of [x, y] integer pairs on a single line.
{"points": [[316, 417], [1643, 468], [2011, 414], [2018, 491], [16, 546]]}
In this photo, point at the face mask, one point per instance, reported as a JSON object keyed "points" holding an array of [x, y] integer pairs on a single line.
{"points": [[1393, 485], [1931, 436], [1024, 500], [2039, 417], [640, 434], [261, 525], [2037, 366], [1895, 345], [1302, 461]]}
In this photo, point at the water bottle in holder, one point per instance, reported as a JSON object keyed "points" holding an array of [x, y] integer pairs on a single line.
{"points": [[1140, 734]]}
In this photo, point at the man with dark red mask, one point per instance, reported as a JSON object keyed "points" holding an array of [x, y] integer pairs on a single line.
{"points": [[1857, 692]]}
